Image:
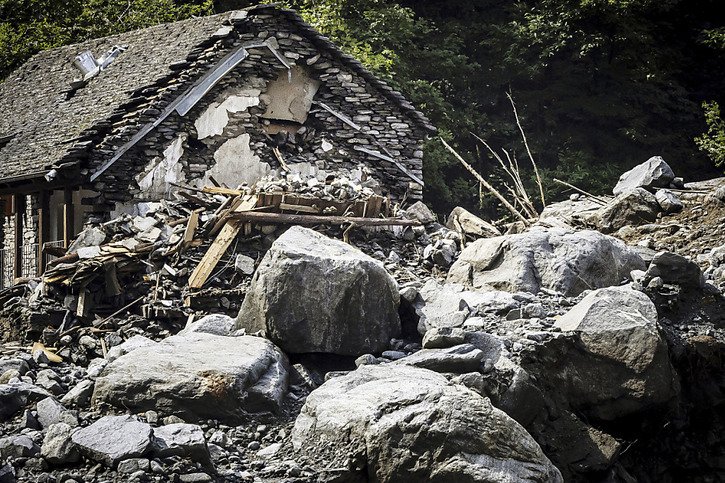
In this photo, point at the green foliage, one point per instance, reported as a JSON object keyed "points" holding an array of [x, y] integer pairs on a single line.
{"points": [[29, 26], [713, 141]]}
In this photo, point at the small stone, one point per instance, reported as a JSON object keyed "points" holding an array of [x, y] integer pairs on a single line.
{"points": [[244, 264], [366, 359], [58, 448], [254, 445], [133, 465], [51, 411], [79, 395]]}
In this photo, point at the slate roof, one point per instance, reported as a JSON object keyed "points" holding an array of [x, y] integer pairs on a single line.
{"points": [[39, 122]]}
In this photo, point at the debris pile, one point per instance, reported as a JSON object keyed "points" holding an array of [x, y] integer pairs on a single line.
{"points": [[174, 259], [540, 353]]}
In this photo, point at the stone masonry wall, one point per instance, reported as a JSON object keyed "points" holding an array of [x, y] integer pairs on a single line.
{"points": [[224, 134]]}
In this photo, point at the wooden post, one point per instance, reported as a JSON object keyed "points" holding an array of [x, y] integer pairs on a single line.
{"points": [[68, 217], [19, 216], [43, 227]]}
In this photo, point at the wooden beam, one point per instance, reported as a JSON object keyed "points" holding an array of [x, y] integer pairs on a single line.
{"points": [[217, 250], [43, 228], [68, 217], [19, 216], [287, 218]]}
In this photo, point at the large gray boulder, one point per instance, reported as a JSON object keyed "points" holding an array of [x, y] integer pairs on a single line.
{"points": [[653, 173], [197, 375], [619, 363], [631, 208], [114, 438], [401, 423], [311, 293], [557, 259]]}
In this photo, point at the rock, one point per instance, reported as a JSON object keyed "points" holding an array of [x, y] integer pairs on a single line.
{"points": [[7, 473], [51, 412], [668, 201], [458, 359], [449, 305], [556, 259], [365, 359], [114, 438], [197, 376], [216, 324], [631, 208], [244, 264], [311, 293], [181, 439], [653, 173], [419, 211], [79, 395], [620, 364], [58, 447], [19, 446], [18, 365], [49, 380], [389, 419], [466, 223], [15, 396], [195, 478], [135, 342], [675, 269], [442, 337], [90, 237], [132, 465], [269, 451]]}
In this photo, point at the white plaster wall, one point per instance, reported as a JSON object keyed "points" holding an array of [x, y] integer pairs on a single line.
{"points": [[156, 178], [216, 117], [236, 163]]}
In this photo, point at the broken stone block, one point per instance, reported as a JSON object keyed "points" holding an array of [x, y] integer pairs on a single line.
{"points": [[675, 269], [653, 173], [634, 207], [387, 417], [114, 438], [420, 211], [668, 201], [58, 447], [244, 264], [466, 223], [181, 439]]}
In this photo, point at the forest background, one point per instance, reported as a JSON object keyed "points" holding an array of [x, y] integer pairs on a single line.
{"points": [[599, 85]]}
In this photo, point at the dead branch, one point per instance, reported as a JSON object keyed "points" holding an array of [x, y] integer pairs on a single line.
{"points": [[528, 150], [594, 198], [486, 184]]}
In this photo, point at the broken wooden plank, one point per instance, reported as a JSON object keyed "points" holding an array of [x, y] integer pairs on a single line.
{"points": [[225, 238], [286, 218], [219, 190], [190, 228], [301, 208]]}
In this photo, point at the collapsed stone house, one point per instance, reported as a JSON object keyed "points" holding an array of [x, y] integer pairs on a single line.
{"points": [[90, 130]]}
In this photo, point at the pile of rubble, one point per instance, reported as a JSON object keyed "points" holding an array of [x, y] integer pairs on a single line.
{"points": [[409, 352]]}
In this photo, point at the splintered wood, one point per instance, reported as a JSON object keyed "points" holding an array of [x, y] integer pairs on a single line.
{"points": [[216, 251]]}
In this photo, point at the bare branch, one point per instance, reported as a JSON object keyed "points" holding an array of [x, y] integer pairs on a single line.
{"points": [[486, 184], [528, 150]]}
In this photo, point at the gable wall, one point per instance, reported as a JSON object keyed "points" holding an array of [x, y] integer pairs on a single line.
{"points": [[242, 152]]}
